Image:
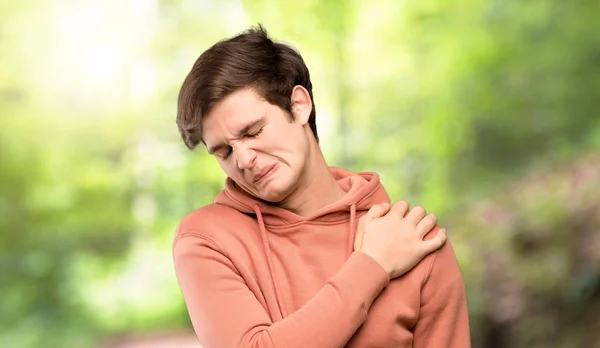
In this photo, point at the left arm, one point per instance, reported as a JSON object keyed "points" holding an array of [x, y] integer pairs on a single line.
{"points": [[443, 320]]}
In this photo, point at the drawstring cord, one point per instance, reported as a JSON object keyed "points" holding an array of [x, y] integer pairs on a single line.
{"points": [[352, 233], [263, 234]]}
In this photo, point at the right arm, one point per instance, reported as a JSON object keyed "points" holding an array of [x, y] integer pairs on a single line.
{"points": [[225, 313]]}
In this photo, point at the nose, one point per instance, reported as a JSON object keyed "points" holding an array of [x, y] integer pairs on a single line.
{"points": [[244, 156]]}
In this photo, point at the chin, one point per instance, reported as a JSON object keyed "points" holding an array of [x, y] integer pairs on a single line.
{"points": [[275, 192], [271, 196]]}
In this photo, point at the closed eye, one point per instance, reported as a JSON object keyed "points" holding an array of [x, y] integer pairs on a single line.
{"points": [[225, 154], [254, 135]]}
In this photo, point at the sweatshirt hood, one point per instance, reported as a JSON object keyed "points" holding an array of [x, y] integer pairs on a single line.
{"points": [[362, 191]]}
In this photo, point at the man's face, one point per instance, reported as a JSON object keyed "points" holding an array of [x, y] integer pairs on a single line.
{"points": [[256, 145]]}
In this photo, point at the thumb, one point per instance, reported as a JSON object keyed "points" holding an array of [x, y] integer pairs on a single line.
{"points": [[376, 211], [358, 238]]}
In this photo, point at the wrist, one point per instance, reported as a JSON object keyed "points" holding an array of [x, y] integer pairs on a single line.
{"points": [[377, 260]]}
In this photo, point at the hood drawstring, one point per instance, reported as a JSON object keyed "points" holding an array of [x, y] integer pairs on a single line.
{"points": [[352, 233], [265, 240], [263, 234]]}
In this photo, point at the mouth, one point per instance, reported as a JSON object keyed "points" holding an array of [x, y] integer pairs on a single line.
{"points": [[261, 177]]}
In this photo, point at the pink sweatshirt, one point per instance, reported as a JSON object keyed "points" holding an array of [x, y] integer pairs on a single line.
{"points": [[255, 275]]}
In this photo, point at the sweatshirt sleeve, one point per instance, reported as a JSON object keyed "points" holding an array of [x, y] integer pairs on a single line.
{"points": [[225, 312], [443, 321]]}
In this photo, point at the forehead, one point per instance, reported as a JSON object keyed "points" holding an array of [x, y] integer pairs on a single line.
{"points": [[232, 113]]}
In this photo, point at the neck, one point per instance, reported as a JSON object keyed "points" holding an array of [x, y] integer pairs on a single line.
{"points": [[316, 190]]}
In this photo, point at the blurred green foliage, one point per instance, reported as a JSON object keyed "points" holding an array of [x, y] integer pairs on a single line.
{"points": [[485, 112]]}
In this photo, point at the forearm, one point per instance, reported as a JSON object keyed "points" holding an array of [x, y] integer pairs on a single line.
{"points": [[334, 314], [226, 313]]}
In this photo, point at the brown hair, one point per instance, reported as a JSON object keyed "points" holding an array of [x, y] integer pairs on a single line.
{"points": [[250, 59]]}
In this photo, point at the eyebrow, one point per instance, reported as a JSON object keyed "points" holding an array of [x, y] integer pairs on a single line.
{"points": [[239, 134]]}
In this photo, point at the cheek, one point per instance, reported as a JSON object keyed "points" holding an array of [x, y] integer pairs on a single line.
{"points": [[290, 140], [229, 168], [274, 141]]}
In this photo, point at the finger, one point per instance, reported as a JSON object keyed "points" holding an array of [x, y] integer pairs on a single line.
{"points": [[378, 210], [415, 215], [400, 208], [436, 242], [426, 224]]}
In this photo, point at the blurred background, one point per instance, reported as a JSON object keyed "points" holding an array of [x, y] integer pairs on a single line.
{"points": [[483, 111]]}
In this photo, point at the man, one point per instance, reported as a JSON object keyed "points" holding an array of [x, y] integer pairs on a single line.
{"points": [[294, 253]]}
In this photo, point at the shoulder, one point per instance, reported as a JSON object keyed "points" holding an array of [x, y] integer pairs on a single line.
{"points": [[439, 264], [211, 214], [216, 233], [442, 266], [217, 223], [207, 220]]}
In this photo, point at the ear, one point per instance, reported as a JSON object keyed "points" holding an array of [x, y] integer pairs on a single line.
{"points": [[301, 104]]}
